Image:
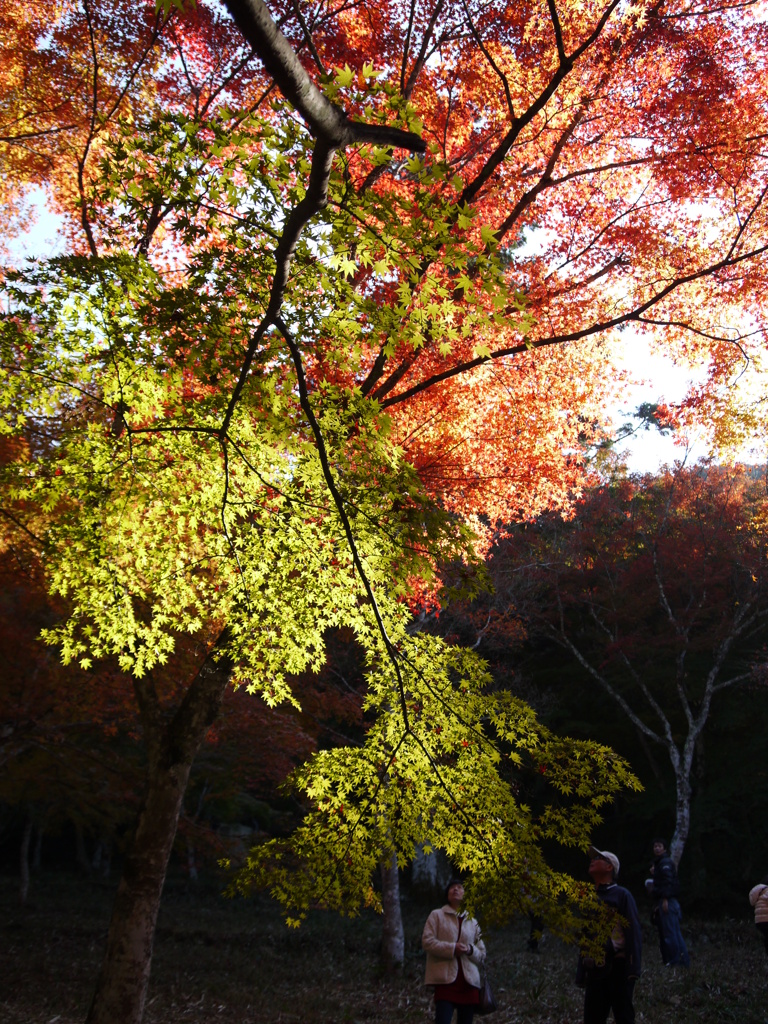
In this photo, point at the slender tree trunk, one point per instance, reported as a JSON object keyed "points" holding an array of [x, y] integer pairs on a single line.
{"points": [[106, 859], [83, 860], [192, 862], [24, 861], [191, 850], [682, 769], [37, 849], [696, 868], [121, 988], [102, 857], [393, 935]]}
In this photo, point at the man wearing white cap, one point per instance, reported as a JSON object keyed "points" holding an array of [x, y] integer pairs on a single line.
{"points": [[609, 985]]}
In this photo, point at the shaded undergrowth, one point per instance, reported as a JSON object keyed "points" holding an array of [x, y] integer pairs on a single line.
{"points": [[235, 962]]}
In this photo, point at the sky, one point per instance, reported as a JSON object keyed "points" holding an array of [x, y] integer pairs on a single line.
{"points": [[42, 239], [659, 381]]}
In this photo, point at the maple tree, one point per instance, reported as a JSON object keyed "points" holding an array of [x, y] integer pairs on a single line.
{"points": [[657, 589], [70, 739], [333, 306]]}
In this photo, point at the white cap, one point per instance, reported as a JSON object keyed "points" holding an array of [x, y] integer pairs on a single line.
{"points": [[612, 859]]}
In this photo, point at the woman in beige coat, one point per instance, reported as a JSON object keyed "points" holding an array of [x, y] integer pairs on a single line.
{"points": [[454, 950]]}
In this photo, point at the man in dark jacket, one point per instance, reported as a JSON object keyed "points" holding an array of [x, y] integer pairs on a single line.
{"points": [[610, 985], [666, 908]]}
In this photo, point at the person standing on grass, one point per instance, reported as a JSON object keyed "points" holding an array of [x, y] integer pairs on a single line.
{"points": [[666, 908], [454, 951], [609, 984], [758, 897]]}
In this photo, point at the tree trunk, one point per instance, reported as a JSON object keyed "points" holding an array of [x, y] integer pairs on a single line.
{"points": [[682, 809], [37, 849], [102, 857], [24, 861], [121, 988], [122, 984], [191, 850], [192, 862], [83, 860], [106, 859], [393, 935]]}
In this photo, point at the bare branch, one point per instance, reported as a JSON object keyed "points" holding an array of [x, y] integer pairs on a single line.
{"points": [[485, 52], [322, 452], [563, 70], [558, 30], [308, 36], [407, 46], [562, 638], [422, 57]]}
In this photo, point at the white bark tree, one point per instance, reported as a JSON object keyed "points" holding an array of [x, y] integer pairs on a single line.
{"points": [[659, 591]]}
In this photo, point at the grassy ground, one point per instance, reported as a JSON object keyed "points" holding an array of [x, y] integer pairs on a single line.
{"points": [[236, 963]]}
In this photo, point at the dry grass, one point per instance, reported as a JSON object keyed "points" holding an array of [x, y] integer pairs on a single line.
{"points": [[236, 963]]}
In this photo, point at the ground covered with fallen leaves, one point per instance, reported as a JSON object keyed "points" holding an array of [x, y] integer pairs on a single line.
{"points": [[235, 962]]}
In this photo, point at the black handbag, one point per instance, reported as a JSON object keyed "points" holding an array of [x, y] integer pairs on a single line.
{"points": [[487, 1000]]}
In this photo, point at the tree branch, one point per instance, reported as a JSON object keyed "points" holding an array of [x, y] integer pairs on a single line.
{"points": [[325, 120], [636, 314], [338, 500], [200, 707]]}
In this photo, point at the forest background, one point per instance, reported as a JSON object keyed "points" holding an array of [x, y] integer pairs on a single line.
{"points": [[310, 370]]}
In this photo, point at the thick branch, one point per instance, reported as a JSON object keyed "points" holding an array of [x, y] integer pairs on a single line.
{"points": [[200, 707], [332, 129], [325, 120], [558, 30]]}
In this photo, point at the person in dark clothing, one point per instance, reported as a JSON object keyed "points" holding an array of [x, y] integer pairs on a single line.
{"points": [[666, 908], [758, 897], [610, 985]]}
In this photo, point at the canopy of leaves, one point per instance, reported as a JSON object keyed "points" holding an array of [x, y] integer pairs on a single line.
{"points": [[300, 353]]}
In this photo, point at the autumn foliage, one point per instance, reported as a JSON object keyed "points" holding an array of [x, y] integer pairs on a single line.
{"points": [[657, 591], [338, 299]]}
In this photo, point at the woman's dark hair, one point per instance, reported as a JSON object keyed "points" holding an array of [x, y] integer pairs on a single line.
{"points": [[763, 880], [453, 881]]}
